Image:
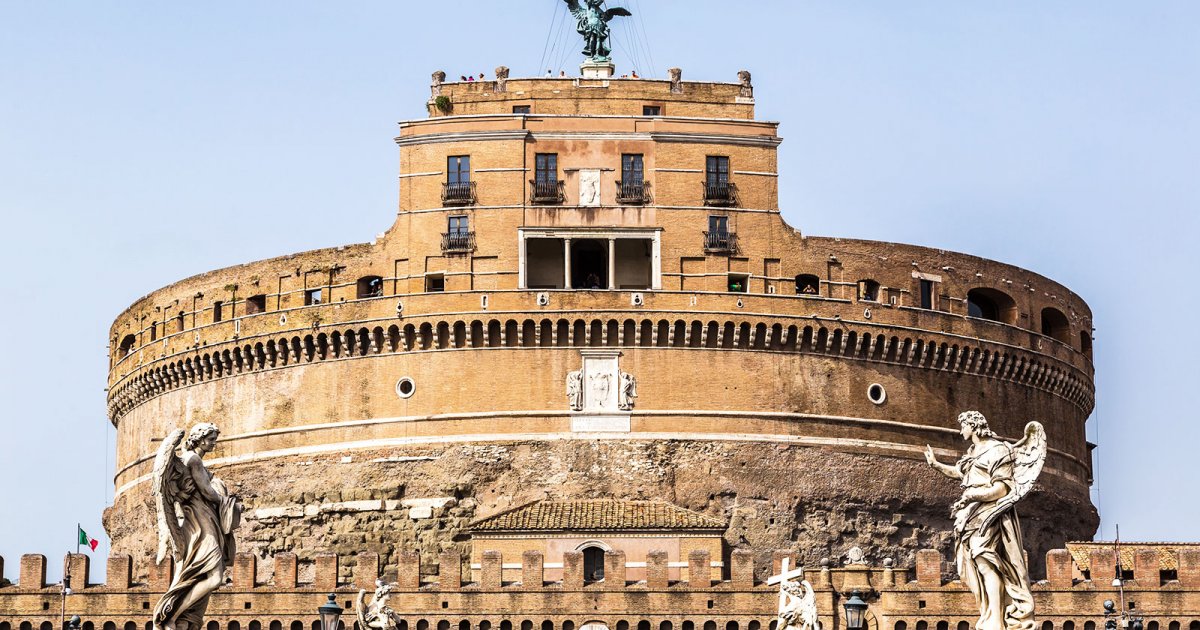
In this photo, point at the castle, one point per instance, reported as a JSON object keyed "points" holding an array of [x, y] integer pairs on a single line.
{"points": [[590, 376]]}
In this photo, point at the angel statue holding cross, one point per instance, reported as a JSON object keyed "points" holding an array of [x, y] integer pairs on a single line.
{"points": [[797, 600], [994, 475], [593, 25]]}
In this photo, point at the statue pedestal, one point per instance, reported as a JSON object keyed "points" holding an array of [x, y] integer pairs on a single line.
{"points": [[597, 69]]}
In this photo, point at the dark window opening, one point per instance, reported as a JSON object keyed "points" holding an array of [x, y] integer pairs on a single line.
{"points": [[435, 283], [652, 110], [370, 287], [520, 109], [256, 304], [718, 190], [991, 304], [544, 263], [718, 238], [926, 293], [632, 187], [458, 225], [808, 284], [312, 297], [593, 564], [458, 169], [1056, 325], [868, 290], [546, 168], [589, 264], [218, 311], [458, 189], [718, 224], [154, 331], [1085, 343], [180, 324], [738, 283]]}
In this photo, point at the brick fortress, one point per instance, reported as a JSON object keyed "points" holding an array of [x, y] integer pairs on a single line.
{"points": [[590, 374]]}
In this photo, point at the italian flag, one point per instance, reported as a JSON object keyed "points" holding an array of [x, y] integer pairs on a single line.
{"points": [[84, 539]]}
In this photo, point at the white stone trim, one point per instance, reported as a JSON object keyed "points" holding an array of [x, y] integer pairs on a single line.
{"points": [[463, 136], [428, 174], [500, 170], [763, 173], [679, 170], [707, 138]]}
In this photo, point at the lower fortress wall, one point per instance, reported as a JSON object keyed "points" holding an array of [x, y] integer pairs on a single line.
{"points": [[773, 495], [708, 599]]}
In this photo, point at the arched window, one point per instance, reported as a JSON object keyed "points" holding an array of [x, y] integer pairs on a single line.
{"points": [[643, 625], [46, 625], [1055, 324], [370, 287], [922, 625], [808, 284], [593, 563], [868, 290], [665, 625], [1085, 343], [1153, 625], [943, 625], [464, 625], [568, 625], [297, 625], [126, 347], [276, 625], [212, 625], [1070, 625], [963, 625], [1091, 625], [233, 625], [986, 303]]}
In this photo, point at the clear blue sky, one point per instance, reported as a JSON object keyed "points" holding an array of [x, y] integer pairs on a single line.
{"points": [[141, 143]]}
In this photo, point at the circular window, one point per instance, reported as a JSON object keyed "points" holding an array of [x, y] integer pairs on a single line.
{"points": [[877, 393], [405, 387]]}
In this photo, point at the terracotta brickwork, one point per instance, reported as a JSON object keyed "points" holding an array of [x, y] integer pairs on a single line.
{"points": [[728, 599]]}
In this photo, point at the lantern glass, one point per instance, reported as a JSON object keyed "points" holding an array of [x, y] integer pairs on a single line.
{"points": [[330, 613], [856, 610]]}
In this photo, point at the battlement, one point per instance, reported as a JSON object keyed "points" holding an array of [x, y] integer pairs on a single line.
{"points": [[730, 594]]}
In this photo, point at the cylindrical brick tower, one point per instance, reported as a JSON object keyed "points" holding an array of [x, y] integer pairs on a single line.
{"points": [[589, 292]]}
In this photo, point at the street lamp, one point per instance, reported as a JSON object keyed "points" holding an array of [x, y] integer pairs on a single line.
{"points": [[856, 610], [73, 623], [330, 613]]}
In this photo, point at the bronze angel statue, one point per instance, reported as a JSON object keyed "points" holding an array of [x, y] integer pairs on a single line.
{"points": [[987, 535], [593, 25], [196, 520]]}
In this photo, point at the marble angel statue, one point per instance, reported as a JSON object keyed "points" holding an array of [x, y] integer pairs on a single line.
{"points": [[593, 26], [987, 534], [376, 615], [196, 520], [798, 607]]}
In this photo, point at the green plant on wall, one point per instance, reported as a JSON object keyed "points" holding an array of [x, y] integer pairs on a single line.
{"points": [[442, 103]]}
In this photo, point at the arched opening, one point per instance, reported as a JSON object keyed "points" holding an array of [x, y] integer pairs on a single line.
{"points": [[922, 625], [589, 264], [986, 303], [665, 625], [900, 625], [868, 290], [732, 625], [255, 625], [108, 625], [369, 287], [568, 625], [464, 625], [710, 625], [593, 563], [1153, 625], [297, 625], [1055, 324], [233, 625], [276, 625], [943, 625], [963, 625], [1085, 343], [443, 625], [25, 625], [1070, 625], [126, 347], [46, 625], [753, 625], [547, 625], [485, 625], [1091, 625], [644, 625], [622, 625], [808, 284]]}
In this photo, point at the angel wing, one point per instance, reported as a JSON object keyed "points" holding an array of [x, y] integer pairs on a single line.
{"points": [[167, 471], [614, 12], [575, 9], [808, 608], [1028, 454]]}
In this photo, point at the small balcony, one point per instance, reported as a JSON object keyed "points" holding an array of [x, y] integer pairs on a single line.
{"points": [[721, 194], [458, 193], [546, 193], [458, 242], [720, 243], [635, 193]]}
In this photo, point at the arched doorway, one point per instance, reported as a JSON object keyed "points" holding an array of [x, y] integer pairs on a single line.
{"points": [[589, 264]]}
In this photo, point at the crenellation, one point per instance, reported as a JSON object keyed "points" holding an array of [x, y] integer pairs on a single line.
{"points": [[699, 569], [741, 571], [493, 562], [1146, 568], [533, 569], [614, 570], [929, 567], [1189, 568], [244, 571], [78, 566], [657, 574], [1059, 568], [326, 576], [33, 571], [572, 570]]}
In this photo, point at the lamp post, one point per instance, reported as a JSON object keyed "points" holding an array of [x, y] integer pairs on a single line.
{"points": [[856, 611], [330, 613], [73, 624]]}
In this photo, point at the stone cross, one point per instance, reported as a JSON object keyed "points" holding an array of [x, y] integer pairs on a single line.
{"points": [[783, 578]]}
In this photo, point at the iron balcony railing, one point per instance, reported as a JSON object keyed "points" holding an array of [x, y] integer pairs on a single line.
{"points": [[458, 193], [635, 192], [546, 192], [720, 194], [458, 242], [720, 242]]}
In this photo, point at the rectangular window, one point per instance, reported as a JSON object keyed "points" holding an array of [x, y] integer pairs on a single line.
{"points": [[716, 170], [312, 297], [652, 110], [546, 168], [632, 169], [256, 304], [458, 226], [520, 109], [153, 332], [926, 289], [435, 283], [458, 169], [738, 282], [218, 311], [718, 224], [180, 323]]}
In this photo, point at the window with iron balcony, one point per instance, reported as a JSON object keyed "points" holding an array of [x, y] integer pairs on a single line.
{"points": [[718, 239], [458, 189], [718, 190], [632, 188], [458, 236], [545, 187]]}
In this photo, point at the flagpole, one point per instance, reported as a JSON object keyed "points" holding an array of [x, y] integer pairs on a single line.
{"points": [[78, 528]]}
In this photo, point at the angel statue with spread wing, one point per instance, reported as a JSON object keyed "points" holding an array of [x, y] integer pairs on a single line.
{"points": [[987, 535], [196, 520], [593, 25], [798, 607]]}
